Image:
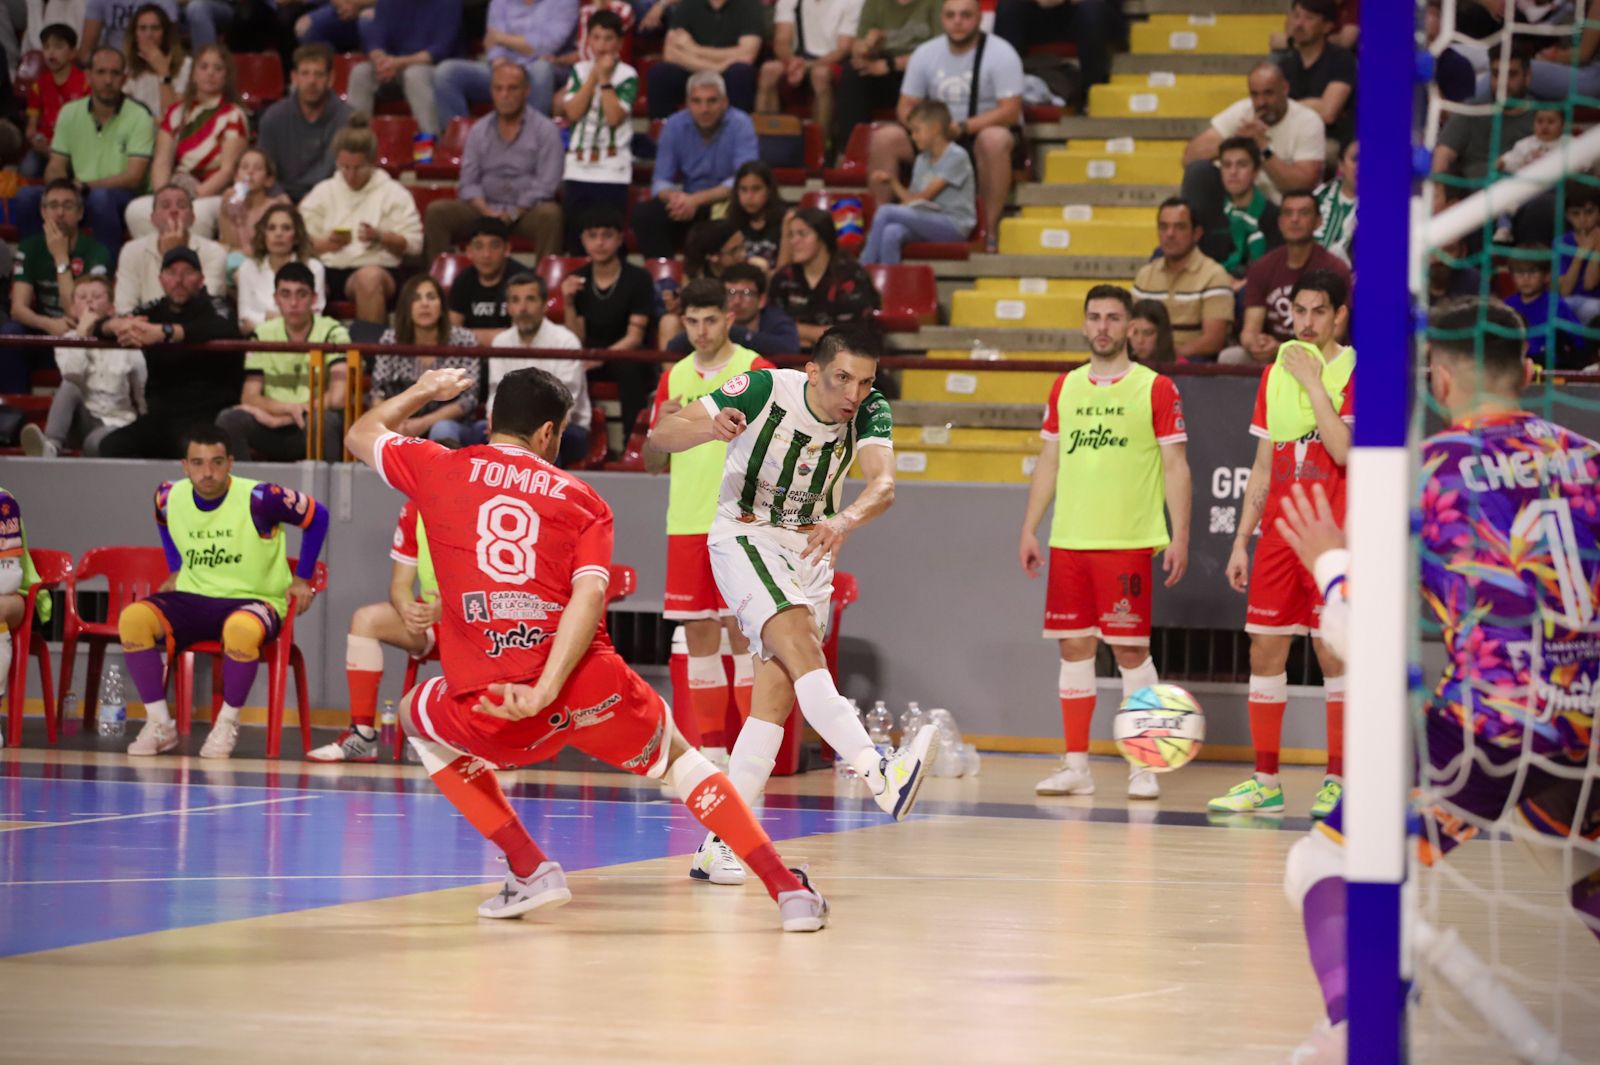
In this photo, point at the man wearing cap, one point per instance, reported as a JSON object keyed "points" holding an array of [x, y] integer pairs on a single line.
{"points": [[185, 387]]}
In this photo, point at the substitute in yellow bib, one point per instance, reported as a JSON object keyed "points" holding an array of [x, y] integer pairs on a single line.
{"points": [[407, 620], [692, 598], [230, 582], [1114, 452]]}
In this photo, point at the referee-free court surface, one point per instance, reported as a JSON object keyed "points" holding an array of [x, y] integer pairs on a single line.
{"points": [[167, 910]]}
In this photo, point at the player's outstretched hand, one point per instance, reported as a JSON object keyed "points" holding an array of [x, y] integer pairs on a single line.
{"points": [[1031, 556], [728, 423], [446, 382], [517, 701], [1307, 523], [1239, 568], [826, 538], [1174, 563]]}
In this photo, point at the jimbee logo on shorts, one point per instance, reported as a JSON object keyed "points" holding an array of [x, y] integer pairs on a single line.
{"points": [[521, 638], [736, 385]]}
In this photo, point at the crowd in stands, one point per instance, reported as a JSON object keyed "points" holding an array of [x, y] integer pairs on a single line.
{"points": [[156, 200]]}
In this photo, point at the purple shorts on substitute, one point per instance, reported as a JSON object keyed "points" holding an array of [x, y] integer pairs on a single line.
{"points": [[189, 619]]}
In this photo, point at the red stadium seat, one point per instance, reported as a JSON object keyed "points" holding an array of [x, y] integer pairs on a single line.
{"points": [[448, 266], [852, 168], [259, 78], [909, 295], [131, 574], [599, 445], [554, 269], [53, 568], [773, 130], [423, 195], [632, 460], [343, 64], [29, 70], [446, 165], [824, 198], [395, 146], [660, 269]]}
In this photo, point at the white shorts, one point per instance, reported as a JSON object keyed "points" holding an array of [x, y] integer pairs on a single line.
{"points": [[760, 578]]}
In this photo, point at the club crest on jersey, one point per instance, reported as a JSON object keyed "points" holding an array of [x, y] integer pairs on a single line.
{"points": [[736, 386], [521, 638], [475, 607]]}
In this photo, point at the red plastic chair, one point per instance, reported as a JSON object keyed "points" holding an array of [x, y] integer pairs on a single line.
{"points": [[259, 76], [632, 460], [447, 266], [280, 656], [53, 568], [554, 269], [660, 269], [343, 64], [423, 195], [29, 70], [131, 573], [447, 152], [852, 168], [624, 579], [599, 443], [909, 294], [395, 144]]}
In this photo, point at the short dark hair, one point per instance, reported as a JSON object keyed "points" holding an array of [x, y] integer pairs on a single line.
{"points": [[295, 273], [1242, 144], [528, 277], [527, 399], [936, 111], [64, 184], [601, 217], [1300, 194], [704, 292], [1538, 257], [1454, 330], [853, 338], [490, 226], [315, 51], [1110, 292], [207, 434], [1177, 201], [1326, 10], [606, 19], [61, 32], [1326, 282], [746, 272]]}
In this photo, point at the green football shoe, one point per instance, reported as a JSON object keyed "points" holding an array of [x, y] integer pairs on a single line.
{"points": [[1327, 797], [1249, 798]]}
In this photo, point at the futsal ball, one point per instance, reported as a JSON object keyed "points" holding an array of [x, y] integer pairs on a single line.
{"points": [[1159, 728]]}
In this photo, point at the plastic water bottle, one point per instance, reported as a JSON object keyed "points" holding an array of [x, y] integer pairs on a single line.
{"points": [[948, 763], [840, 766], [112, 719], [387, 722], [70, 724], [880, 727], [911, 723]]}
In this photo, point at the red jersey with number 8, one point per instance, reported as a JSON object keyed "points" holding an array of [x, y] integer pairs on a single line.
{"points": [[508, 533]]}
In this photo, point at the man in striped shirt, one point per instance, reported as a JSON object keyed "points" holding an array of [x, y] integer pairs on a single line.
{"points": [[1195, 289], [1336, 202]]}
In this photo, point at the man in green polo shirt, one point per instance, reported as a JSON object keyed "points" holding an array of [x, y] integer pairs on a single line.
{"points": [[104, 142], [276, 402]]}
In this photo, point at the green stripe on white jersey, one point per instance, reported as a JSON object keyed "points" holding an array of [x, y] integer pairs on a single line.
{"points": [[787, 469]]}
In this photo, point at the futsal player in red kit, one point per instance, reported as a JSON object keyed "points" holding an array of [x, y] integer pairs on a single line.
{"points": [[522, 552]]}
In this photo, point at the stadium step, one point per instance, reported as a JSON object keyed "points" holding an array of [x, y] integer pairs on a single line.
{"points": [[985, 308], [1213, 34], [1023, 416], [1039, 194], [1083, 212], [1217, 7], [977, 387], [976, 467], [1139, 127], [1034, 236], [1079, 165], [1184, 63], [973, 439], [961, 275], [1178, 100], [1168, 79]]}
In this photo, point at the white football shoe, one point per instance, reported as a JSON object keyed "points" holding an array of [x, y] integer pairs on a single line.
{"points": [[546, 887], [715, 863], [1143, 784], [1066, 781]]}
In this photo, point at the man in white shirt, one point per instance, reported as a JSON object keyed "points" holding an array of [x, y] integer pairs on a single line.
{"points": [[1293, 143], [525, 302], [139, 264], [809, 39]]}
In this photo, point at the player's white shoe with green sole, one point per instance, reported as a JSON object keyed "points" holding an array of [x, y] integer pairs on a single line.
{"points": [[1250, 797], [904, 772], [715, 863]]}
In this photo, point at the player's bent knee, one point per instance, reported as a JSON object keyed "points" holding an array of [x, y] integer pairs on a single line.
{"points": [[139, 627], [242, 636], [434, 756], [1315, 858]]}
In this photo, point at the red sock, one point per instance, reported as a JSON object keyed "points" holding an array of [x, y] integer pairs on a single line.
{"points": [[1269, 697], [711, 712], [471, 787], [1077, 713], [717, 805], [1336, 731], [363, 695], [741, 698]]}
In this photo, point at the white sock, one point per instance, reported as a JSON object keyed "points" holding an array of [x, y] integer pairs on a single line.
{"points": [[755, 753], [363, 653], [1142, 675], [228, 714], [705, 671], [744, 670], [688, 772], [366, 732], [829, 713], [1078, 760], [5, 658], [158, 712], [1267, 780]]}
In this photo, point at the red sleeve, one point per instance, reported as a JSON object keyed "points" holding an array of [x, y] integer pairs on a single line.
{"points": [[404, 549], [763, 364], [1258, 420], [1052, 420], [1167, 411], [400, 460], [663, 393], [1347, 409], [592, 555]]}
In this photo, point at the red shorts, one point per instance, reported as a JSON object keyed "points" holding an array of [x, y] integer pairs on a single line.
{"points": [[1099, 593], [692, 593], [1283, 599], [605, 709]]}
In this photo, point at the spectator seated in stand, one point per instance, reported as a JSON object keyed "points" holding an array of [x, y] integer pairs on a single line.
{"points": [[1193, 287], [184, 388], [757, 209], [821, 286], [887, 32], [530, 34], [940, 204], [420, 318], [809, 42], [721, 37], [101, 389], [335, 24], [404, 41], [280, 238], [40, 14], [58, 84], [1466, 142], [1336, 204], [1092, 25], [362, 224], [1532, 301], [1150, 334], [1252, 218], [712, 247], [241, 215], [608, 305], [478, 294], [1321, 74], [598, 105], [274, 412], [1579, 252], [158, 68], [989, 124], [297, 132], [1267, 319], [753, 322], [106, 23], [139, 265], [701, 149], [526, 295], [511, 170]]}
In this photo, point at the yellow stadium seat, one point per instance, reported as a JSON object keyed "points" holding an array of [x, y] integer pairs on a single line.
{"points": [[954, 438], [1032, 236], [1176, 101], [1083, 212], [975, 386], [1063, 166], [1162, 79], [1205, 34], [975, 309], [973, 467], [1072, 288]]}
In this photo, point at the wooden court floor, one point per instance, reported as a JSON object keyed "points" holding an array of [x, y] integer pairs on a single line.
{"points": [[174, 911]]}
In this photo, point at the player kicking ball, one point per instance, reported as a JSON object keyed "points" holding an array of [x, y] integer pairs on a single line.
{"points": [[512, 536], [792, 436]]}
